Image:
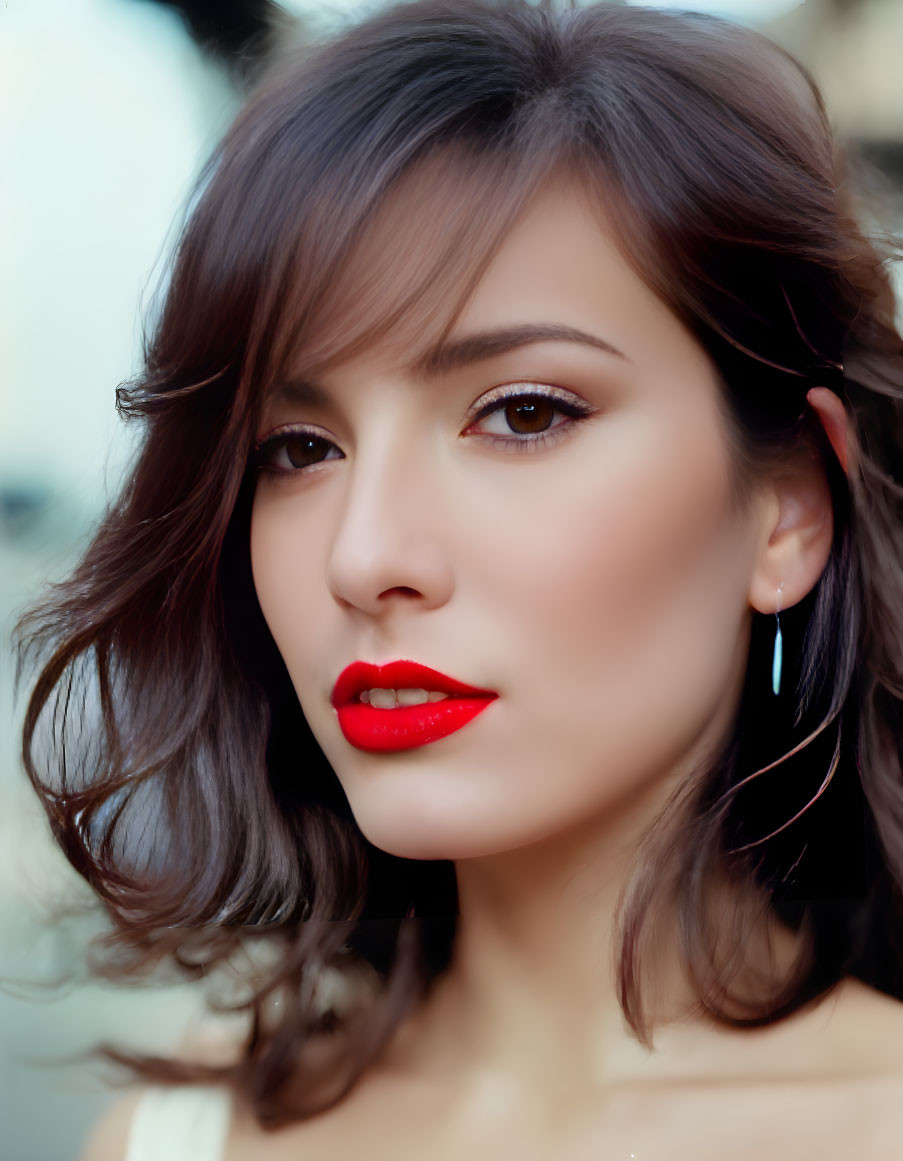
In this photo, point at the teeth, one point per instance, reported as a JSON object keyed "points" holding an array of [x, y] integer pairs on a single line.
{"points": [[390, 698]]}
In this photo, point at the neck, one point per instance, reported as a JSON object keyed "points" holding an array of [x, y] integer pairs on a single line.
{"points": [[532, 991]]}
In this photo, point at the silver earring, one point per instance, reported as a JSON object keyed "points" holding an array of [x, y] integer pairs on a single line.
{"points": [[778, 648]]}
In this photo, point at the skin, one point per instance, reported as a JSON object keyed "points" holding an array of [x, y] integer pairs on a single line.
{"points": [[567, 579], [604, 586]]}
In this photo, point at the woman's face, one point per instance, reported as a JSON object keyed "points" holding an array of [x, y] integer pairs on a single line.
{"points": [[597, 578]]}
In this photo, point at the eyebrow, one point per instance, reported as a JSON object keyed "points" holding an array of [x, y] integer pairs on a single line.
{"points": [[462, 352]]}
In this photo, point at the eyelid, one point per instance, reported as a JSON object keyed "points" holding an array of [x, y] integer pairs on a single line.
{"points": [[270, 443], [292, 428], [475, 411], [518, 389], [566, 402]]}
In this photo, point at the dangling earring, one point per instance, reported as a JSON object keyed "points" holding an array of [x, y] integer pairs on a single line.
{"points": [[778, 648]]}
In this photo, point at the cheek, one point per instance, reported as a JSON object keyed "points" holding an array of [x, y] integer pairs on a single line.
{"points": [[618, 540], [625, 601], [280, 564]]}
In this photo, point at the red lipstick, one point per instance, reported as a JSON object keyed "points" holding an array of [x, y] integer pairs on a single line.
{"points": [[380, 730]]}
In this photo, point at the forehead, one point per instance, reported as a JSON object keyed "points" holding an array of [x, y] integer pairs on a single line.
{"points": [[555, 267], [562, 261], [411, 264], [554, 264]]}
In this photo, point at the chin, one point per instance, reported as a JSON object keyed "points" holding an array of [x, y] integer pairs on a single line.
{"points": [[418, 833], [421, 842]]}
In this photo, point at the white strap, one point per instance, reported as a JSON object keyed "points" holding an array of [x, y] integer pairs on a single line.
{"points": [[183, 1123]]}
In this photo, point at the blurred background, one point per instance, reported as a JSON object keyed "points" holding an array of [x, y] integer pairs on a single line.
{"points": [[108, 110]]}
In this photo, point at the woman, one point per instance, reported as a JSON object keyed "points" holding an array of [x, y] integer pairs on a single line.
{"points": [[547, 753]]}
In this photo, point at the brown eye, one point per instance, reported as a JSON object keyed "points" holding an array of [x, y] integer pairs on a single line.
{"points": [[292, 451], [530, 418], [303, 450]]}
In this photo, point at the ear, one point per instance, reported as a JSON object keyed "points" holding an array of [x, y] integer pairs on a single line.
{"points": [[796, 518], [832, 414]]}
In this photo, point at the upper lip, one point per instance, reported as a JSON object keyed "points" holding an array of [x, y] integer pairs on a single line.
{"points": [[360, 675]]}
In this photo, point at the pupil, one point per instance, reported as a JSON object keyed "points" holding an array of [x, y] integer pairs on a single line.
{"points": [[532, 417]]}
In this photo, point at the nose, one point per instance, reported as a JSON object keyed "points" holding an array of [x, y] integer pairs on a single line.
{"points": [[391, 541]]}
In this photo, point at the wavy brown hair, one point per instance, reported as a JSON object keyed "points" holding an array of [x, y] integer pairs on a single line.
{"points": [[163, 734]]}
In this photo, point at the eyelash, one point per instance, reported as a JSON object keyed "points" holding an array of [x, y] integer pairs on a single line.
{"points": [[266, 449]]}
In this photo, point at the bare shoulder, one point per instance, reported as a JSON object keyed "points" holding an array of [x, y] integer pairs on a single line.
{"points": [[108, 1138], [866, 1026], [864, 1105]]}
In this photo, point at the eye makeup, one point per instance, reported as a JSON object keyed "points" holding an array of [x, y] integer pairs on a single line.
{"points": [[295, 448]]}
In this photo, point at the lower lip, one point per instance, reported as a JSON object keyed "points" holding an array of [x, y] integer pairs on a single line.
{"points": [[405, 727]]}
